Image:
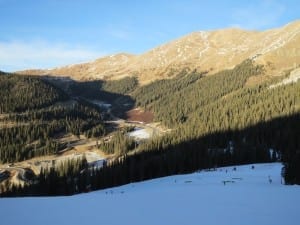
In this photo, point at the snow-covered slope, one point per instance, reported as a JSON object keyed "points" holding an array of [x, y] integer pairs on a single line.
{"points": [[293, 78], [199, 198]]}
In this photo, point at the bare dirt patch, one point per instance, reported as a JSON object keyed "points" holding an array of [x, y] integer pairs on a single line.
{"points": [[3, 116], [256, 80], [138, 115]]}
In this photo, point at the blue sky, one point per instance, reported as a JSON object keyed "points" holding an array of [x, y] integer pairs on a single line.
{"points": [[49, 33]]}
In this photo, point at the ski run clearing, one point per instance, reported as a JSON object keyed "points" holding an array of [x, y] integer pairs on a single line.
{"points": [[140, 133], [221, 197]]}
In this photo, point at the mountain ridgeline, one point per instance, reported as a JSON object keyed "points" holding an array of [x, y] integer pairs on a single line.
{"points": [[19, 94], [215, 120], [211, 51], [104, 90]]}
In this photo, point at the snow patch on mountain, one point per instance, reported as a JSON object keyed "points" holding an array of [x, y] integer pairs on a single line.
{"points": [[293, 78]]}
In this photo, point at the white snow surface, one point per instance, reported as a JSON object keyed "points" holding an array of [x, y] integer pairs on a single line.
{"points": [[139, 133], [197, 198], [293, 78]]}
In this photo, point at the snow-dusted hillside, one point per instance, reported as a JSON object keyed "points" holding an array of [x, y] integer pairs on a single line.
{"points": [[247, 197], [211, 51]]}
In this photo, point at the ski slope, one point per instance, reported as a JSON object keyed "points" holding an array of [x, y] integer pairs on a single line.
{"points": [[246, 198]]}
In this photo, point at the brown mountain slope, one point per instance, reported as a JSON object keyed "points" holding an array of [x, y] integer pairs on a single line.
{"points": [[211, 51]]}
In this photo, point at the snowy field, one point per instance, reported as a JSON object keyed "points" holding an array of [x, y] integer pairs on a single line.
{"points": [[139, 133], [247, 197]]}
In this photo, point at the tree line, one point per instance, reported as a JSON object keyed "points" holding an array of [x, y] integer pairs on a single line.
{"points": [[164, 159]]}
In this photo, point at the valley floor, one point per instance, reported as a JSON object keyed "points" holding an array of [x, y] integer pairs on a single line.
{"points": [[224, 196]]}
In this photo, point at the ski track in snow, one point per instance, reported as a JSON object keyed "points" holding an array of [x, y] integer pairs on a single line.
{"points": [[197, 198]]}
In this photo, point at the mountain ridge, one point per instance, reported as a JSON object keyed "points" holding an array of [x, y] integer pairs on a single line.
{"points": [[212, 51]]}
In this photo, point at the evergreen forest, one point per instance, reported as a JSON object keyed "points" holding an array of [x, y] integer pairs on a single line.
{"points": [[215, 120]]}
